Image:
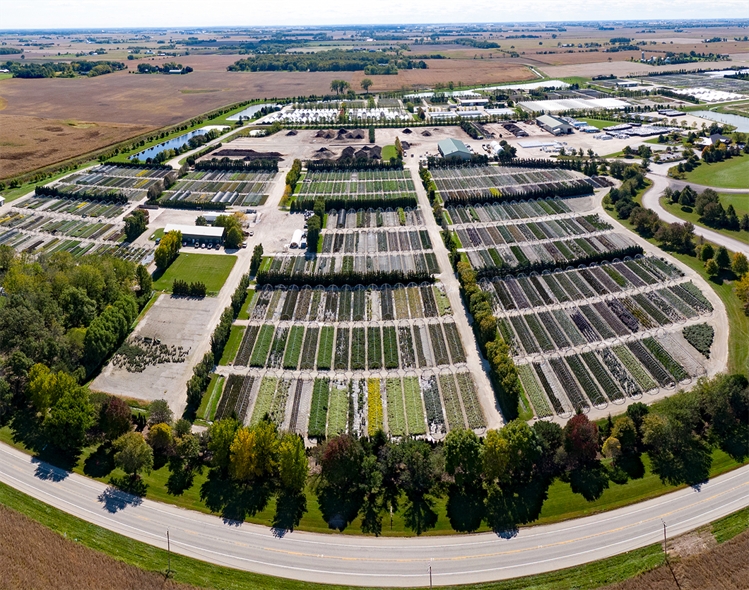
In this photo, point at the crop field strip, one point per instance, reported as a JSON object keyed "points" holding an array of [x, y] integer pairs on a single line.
{"points": [[78, 207], [222, 186], [314, 336], [486, 182], [131, 182], [344, 347], [373, 218], [333, 404]]}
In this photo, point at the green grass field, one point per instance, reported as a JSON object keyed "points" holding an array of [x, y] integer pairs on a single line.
{"points": [[232, 345], [212, 269], [157, 233], [733, 173], [210, 400], [244, 313], [599, 123], [388, 152]]}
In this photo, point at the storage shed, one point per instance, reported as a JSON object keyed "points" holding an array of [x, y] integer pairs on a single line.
{"points": [[453, 148], [197, 233], [554, 125]]}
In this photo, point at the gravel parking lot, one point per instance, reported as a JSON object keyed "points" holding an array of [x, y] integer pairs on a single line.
{"points": [[178, 321]]}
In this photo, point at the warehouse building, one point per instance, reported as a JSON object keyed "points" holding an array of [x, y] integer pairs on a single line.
{"points": [[453, 148], [554, 125], [197, 233]]}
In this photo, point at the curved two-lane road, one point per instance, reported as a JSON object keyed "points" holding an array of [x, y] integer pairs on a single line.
{"points": [[344, 559], [651, 199]]}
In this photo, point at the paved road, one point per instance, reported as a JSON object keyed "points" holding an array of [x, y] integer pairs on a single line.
{"points": [[651, 200], [369, 561]]}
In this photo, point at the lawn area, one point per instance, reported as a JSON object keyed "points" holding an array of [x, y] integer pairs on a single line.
{"points": [[694, 218], [732, 173], [599, 123], [211, 269], [232, 345], [157, 234], [388, 152], [199, 573]]}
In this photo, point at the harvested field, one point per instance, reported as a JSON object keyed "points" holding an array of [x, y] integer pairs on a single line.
{"points": [[446, 70], [154, 100], [625, 68], [41, 558], [724, 567], [27, 143]]}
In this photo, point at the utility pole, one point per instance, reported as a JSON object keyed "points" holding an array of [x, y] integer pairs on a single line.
{"points": [[169, 555], [430, 576], [665, 549]]}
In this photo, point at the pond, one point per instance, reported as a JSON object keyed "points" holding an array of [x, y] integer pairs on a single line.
{"points": [[249, 112], [741, 123], [170, 144]]}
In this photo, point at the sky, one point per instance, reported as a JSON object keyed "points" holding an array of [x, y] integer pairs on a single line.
{"points": [[59, 14]]}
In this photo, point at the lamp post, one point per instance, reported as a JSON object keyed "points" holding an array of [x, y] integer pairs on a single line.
{"points": [[665, 550]]}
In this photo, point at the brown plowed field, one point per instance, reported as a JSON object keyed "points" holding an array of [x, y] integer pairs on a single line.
{"points": [[32, 556], [27, 143], [724, 567]]}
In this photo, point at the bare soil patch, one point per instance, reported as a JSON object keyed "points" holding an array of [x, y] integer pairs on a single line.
{"points": [[723, 567], [27, 143], [40, 558]]}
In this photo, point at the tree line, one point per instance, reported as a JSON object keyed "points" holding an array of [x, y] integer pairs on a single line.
{"points": [[63, 69], [334, 60]]}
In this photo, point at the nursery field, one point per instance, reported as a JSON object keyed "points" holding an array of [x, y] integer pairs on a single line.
{"points": [[400, 343], [589, 320], [72, 206], [601, 334], [373, 218], [131, 182], [533, 235], [424, 405], [60, 226], [360, 189], [459, 185], [35, 233], [222, 186]]}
